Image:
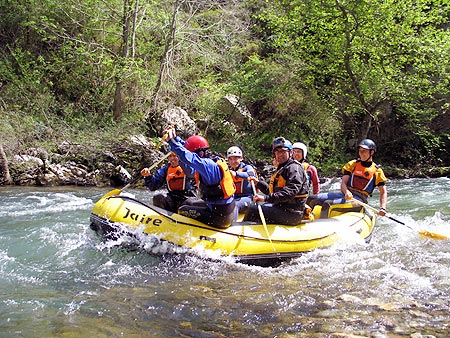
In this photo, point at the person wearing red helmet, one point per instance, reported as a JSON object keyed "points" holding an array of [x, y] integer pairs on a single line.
{"points": [[213, 178], [360, 178], [286, 193]]}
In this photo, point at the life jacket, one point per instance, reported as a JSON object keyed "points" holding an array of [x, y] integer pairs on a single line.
{"points": [[363, 178], [277, 182], [225, 189], [175, 178], [238, 182], [305, 166]]}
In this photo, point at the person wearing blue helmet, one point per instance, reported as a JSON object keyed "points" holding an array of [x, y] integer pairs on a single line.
{"points": [[286, 192]]}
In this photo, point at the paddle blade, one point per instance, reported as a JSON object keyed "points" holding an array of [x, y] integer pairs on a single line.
{"points": [[112, 193], [429, 234]]}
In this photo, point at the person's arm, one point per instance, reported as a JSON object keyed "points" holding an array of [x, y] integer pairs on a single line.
{"points": [[314, 179], [347, 193], [244, 174], [262, 186], [383, 200], [156, 181], [207, 168]]}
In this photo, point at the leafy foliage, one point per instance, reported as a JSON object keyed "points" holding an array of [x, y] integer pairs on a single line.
{"points": [[327, 72]]}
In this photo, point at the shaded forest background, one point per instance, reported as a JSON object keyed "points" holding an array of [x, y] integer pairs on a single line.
{"points": [[328, 73]]}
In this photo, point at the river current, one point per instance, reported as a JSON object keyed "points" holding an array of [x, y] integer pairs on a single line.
{"points": [[59, 279]]}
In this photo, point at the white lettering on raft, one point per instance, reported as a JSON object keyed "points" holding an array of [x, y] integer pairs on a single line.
{"points": [[142, 219]]}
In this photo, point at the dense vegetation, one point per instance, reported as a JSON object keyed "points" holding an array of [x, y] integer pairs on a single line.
{"points": [[326, 72]]}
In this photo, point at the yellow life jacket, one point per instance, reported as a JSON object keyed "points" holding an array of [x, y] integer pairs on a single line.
{"points": [[277, 182], [225, 189], [175, 178], [305, 166]]}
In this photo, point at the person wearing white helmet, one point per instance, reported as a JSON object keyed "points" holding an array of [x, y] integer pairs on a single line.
{"points": [[360, 178], [240, 172], [299, 153], [286, 193]]}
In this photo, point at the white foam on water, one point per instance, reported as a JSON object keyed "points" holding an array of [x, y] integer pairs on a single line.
{"points": [[35, 204]]}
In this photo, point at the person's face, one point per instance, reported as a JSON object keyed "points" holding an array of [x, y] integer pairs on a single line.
{"points": [[281, 155], [173, 160], [297, 154], [234, 161], [364, 154], [274, 161]]}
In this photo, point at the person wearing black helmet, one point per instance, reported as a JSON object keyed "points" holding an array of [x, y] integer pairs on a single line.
{"points": [[360, 177], [285, 194], [213, 178]]}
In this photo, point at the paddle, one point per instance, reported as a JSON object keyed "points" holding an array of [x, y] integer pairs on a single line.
{"points": [[423, 233], [153, 166], [261, 213], [138, 176]]}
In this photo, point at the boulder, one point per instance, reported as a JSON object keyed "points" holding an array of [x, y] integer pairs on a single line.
{"points": [[179, 118], [237, 113]]}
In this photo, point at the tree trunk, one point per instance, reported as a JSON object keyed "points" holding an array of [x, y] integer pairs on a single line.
{"points": [[5, 178], [118, 101], [166, 58]]}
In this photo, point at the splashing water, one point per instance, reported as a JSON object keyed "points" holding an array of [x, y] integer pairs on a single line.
{"points": [[59, 279]]}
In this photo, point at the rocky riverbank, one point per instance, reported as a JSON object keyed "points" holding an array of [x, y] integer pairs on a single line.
{"points": [[115, 165]]}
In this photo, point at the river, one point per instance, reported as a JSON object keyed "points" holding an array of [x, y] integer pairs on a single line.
{"points": [[58, 279]]}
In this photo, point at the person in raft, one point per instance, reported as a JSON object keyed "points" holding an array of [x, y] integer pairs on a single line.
{"points": [[299, 153], [286, 193], [177, 177], [360, 177], [240, 172], [213, 179]]}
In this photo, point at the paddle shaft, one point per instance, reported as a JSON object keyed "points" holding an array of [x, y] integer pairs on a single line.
{"points": [[261, 215], [365, 205], [138, 176], [423, 233]]}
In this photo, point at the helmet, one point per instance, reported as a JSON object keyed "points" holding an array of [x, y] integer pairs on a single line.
{"points": [[196, 142], [234, 151], [367, 144], [301, 146], [281, 142]]}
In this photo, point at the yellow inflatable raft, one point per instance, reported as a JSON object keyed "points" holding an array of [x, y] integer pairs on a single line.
{"points": [[246, 242]]}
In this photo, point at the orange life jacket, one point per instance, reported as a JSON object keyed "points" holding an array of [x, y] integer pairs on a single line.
{"points": [[362, 178], [225, 189], [238, 182], [175, 178]]}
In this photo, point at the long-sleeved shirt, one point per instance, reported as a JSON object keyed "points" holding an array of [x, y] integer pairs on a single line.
{"points": [[207, 168]]}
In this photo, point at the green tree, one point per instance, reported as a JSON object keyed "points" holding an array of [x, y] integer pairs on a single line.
{"points": [[372, 62]]}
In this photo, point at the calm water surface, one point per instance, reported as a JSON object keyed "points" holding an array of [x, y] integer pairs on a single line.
{"points": [[58, 279]]}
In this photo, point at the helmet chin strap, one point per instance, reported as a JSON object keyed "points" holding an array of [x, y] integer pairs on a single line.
{"points": [[369, 159]]}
